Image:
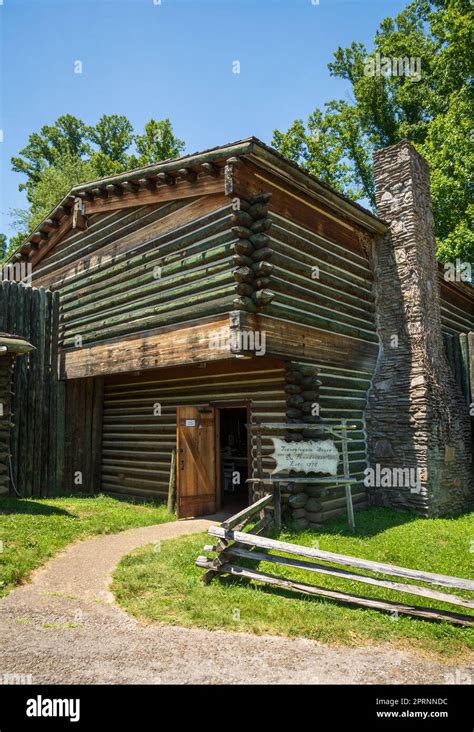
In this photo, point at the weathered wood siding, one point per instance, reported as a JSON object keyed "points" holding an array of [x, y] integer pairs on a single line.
{"points": [[35, 412], [138, 269], [137, 442], [82, 435], [457, 307], [320, 283], [7, 363]]}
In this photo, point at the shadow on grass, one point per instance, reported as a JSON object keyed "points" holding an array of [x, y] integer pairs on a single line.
{"points": [[445, 615], [31, 505], [369, 522], [22, 505]]}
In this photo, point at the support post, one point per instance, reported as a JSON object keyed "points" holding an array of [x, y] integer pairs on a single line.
{"points": [[348, 486], [277, 505]]}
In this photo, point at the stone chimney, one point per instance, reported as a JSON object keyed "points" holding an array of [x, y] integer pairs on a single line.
{"points": [[418, 429]]}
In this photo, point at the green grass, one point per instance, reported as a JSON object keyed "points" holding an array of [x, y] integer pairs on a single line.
{"points": [[33, 529], [166, 586]]}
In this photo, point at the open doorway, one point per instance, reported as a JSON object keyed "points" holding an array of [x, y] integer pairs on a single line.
{"points": [[234, 458]]}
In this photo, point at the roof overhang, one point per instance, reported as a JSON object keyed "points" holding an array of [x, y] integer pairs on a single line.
{"points": [[209, 162]]}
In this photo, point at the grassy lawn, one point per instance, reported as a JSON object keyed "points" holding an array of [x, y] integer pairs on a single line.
{"points": [[33, 529], [166, 586]]}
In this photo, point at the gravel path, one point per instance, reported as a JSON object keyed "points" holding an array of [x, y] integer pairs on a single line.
{"points": [[63, 627]]}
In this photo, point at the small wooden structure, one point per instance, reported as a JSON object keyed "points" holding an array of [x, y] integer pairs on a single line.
{"points": [[233, 543], [11, 346]]}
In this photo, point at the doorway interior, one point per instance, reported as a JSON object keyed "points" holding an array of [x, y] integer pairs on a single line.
{"points": [[233, 446]]}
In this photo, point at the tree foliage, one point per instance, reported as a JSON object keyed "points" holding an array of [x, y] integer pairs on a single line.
{"points": [[433, 109], [70, 152]]}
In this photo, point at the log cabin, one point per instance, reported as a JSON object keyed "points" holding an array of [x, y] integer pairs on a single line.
{"points": [[198, 296]]}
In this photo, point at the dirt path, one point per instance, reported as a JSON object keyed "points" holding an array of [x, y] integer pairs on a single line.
{"points": [[64, 628]]}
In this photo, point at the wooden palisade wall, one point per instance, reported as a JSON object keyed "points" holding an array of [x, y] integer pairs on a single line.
{"points": [[37, 400]]}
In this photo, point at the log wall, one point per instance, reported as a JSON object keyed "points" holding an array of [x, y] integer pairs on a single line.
{"points": [[138, 269], [457, 307], [320, 283], [137, 442]]}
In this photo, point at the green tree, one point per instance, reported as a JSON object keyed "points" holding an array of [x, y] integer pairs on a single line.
{"points": [[46, 148], [69, 152], [112, 136], [432, 107], [157, 143], [3, 246]]}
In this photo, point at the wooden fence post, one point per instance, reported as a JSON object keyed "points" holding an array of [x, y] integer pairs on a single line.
{"points": [[348, 486], [277, 505]]}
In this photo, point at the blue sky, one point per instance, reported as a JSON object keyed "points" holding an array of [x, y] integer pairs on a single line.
{"points": [[174, 60]]}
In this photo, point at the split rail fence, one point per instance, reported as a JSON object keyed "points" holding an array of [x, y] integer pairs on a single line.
{"points": [[234, 544]]}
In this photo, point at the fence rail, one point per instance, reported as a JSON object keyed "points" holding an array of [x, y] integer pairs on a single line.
{"points": [[233, 544]]}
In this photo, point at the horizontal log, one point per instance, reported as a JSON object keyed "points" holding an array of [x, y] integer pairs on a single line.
{"points": [[260, 226], [241, 218], [353, 577], [287, 548], [242, 261], [258, 210], [243, 246], [247, 512], [261, 254], [427, 613], [244, 289], [244, 274], [262, 297], [241, 232], [244, 303], [260, 241], [262, 269]]}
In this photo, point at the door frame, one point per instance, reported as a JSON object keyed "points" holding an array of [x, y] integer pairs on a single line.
{"points": [[219, 404]]}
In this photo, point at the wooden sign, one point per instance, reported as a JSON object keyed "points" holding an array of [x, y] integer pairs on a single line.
{"points": [[306, 457]]}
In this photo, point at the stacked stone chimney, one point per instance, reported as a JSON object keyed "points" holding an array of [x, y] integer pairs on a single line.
{"points": [[418, 428]]}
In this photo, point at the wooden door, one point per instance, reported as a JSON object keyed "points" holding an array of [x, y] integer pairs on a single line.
{"points": [[196, 484]]}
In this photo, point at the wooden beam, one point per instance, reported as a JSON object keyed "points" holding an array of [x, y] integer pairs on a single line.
{"points": [[114, 190], [247, 512], [380, 567], [186, 343], [86, 195], [147, 183], [307, 589], [165, 178], [351, 576], [172, 191], [187, 174], [128, 186], [211, 169], [100, 192], [64, 227]]}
